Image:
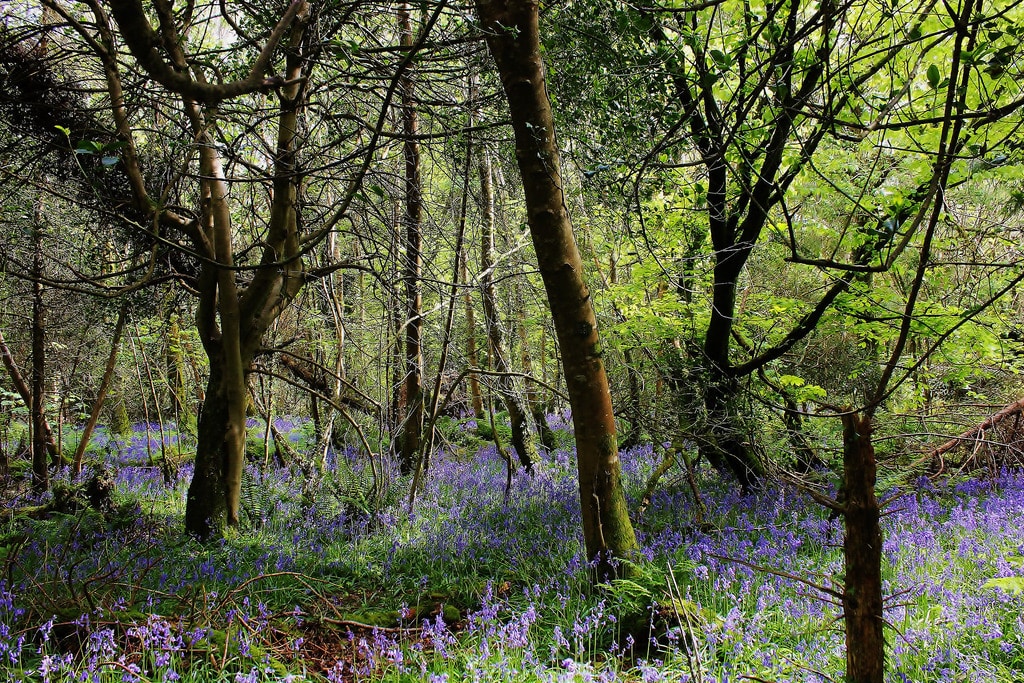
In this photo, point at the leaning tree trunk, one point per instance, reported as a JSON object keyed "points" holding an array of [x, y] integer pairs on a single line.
{"points": [[25, 392], [513, 37], [862, 551], [525, 450], [101, 393]]}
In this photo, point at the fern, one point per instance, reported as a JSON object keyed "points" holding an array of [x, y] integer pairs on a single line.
{"points": [[256, 499], [358, 491]]}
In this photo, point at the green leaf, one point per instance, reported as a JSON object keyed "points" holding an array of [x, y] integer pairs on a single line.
{"points": [[88, 147], [1010, 584], [934, 76], [62, 129], [723, 60], [109, 161]]}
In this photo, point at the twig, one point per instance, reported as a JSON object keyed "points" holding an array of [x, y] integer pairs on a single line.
{"points": [[778, 572]]}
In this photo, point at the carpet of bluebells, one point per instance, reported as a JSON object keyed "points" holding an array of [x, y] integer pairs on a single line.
{"points": [[323, 583]]}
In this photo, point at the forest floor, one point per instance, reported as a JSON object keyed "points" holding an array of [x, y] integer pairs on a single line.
{"points": [[337, 580]]}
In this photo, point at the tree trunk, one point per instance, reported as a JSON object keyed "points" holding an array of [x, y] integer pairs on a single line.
{"points": [[862, 550], [531, 395], [213, 495], [634, 404], [726, 443], [412, 425], [101, 395], [174, 360], [232, 321], [513, 37], [40, 473], [475, 398], [24, 391], [521, 442]]}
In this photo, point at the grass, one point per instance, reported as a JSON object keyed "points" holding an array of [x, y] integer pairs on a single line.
{"points": [[471, 586]]}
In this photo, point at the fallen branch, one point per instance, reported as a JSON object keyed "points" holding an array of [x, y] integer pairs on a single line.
{"points": [[977, 432]]}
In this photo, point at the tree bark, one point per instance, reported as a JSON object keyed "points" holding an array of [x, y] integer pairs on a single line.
{"points": [[212, 503], [513, 37], [412, 425], [207, 509], [862, 552]]}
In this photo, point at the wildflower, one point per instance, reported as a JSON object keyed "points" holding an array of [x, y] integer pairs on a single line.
{"points": [[251, 677]]}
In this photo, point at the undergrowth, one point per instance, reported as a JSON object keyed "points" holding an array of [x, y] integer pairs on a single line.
{"points": [[343, 582]]}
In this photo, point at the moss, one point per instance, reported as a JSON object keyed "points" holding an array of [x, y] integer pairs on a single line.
{"points": [[120, 423], [384, 618]]}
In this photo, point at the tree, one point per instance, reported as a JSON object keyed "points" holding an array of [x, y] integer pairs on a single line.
{"points": [[412, 263], [244, 266], [768, 118], [513, 38], [492, 320]]}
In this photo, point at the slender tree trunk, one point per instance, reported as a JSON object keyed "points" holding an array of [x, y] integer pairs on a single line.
{"points": [[632, 410], [475, 397], [396, 308], [25, 392], [531, 395], [521, 442], [412, 425], [175, 368], [40, 474], [513, 37], [862, 551], [101, 395], [634, 404]]}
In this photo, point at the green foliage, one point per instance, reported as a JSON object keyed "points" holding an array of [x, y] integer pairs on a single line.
{"points": [[1010, 584]]}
